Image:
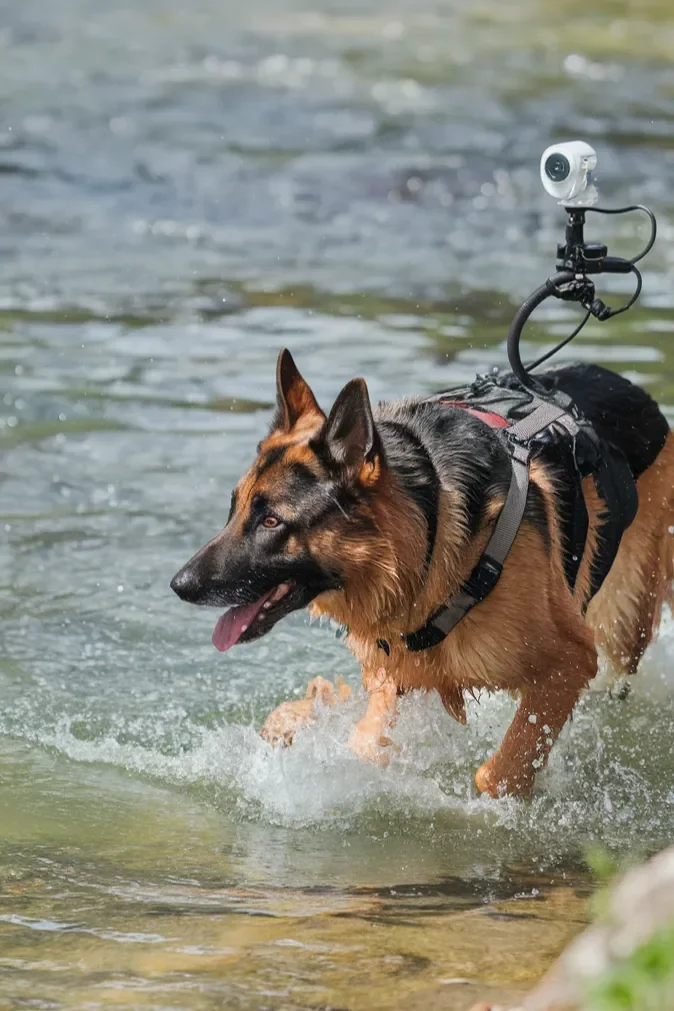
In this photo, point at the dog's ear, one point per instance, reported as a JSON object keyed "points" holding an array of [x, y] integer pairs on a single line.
{"points": [[293, 394], [351, 435]]}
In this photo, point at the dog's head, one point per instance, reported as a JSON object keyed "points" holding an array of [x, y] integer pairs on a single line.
{"points": [[297, 518]]}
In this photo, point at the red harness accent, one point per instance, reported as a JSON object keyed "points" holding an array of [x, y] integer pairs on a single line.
{"points": [[489, 418]]}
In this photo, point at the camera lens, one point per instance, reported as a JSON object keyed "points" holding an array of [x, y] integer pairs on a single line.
{"points": [[557, 167]]}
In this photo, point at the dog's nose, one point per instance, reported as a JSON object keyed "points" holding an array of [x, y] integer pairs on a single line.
{"points": [[187, 584]]}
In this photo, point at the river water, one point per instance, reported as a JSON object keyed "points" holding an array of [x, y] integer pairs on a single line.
{"points": [[184, 189]]}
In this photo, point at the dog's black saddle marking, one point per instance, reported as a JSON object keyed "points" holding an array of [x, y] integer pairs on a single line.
{"points": [[548, 422]]}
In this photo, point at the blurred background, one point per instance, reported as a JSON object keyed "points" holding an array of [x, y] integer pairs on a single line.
{"points": [[184, 189]]}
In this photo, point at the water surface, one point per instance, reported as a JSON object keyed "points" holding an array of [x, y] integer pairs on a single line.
{"points": [[184, 190]]}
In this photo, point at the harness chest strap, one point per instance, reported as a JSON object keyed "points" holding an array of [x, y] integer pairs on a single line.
{"points": [[486, 573]]}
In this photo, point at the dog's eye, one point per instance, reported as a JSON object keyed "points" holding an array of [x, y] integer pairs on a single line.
{"points": [[269, 522]]}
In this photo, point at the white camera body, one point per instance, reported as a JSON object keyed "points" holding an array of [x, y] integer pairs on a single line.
{"points": [[566, 173]]}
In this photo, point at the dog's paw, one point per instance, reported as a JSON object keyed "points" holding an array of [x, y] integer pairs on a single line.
{"points": [[370, 745], [497, 780], [282, 724], [323, 691]]}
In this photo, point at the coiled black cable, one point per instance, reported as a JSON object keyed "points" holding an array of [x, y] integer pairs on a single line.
{"points": [[626, 210], [550, 287]]}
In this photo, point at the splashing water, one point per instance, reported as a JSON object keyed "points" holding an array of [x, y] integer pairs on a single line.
{"points": [[610, 769]]}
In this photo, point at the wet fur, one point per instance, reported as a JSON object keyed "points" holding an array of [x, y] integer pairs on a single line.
{"points": [[416, 488]]}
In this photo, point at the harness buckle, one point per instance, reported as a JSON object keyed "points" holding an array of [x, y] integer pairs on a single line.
{"points": [[483, 578]]}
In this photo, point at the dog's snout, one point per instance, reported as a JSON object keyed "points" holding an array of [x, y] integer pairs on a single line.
{"points": [[187, 584], [202, 579]]}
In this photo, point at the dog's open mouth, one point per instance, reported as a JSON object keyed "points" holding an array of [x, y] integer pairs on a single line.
{"points": [[248, 621]]}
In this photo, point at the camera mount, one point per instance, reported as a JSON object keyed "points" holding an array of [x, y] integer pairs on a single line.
{"points": [[576, 261]]}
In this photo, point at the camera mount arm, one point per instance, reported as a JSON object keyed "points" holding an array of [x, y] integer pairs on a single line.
{"points": [[546, 290], [576, 259]]}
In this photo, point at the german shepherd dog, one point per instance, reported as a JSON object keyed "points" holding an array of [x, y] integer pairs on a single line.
{"points": [[336, 513]]}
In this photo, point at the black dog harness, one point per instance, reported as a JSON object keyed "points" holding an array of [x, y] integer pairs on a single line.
{"points": [[529, 423]]}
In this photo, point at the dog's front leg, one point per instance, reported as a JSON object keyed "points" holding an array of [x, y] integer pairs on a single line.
{"points": [[369, 738], [281, 724]]}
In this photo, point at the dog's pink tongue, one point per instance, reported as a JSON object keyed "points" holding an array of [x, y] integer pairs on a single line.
{"points": [[233, 623]]}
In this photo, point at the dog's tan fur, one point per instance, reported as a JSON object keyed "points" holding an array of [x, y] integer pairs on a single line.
{"points": [[528, 637]]}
